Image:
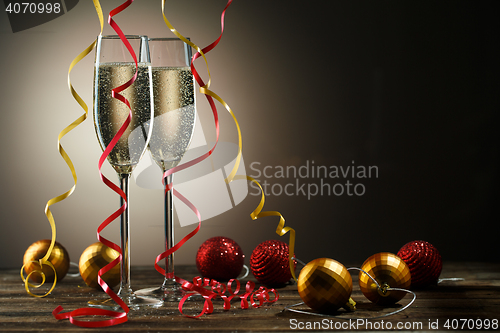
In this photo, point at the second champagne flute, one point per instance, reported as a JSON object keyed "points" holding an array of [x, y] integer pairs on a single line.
{"points": [[173, 127]]}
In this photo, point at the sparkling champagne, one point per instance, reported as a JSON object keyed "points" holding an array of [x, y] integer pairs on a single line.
{"points": [[112, 113], [174, 114]]}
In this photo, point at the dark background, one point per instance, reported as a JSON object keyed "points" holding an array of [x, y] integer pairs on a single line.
{"points": [[409, 87]]}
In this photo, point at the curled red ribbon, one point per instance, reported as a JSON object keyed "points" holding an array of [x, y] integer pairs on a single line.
{"points": [[116, 317], [183, 240], [218, 289], [183, 166], [210, 95], [257, 297]]}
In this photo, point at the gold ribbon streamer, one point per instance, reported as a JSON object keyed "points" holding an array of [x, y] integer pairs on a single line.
{"points": [[65, 156], [206, 91], [280, 230], [257, 213]]}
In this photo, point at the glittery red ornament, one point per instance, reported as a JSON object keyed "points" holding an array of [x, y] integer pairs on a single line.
{"points": [[269, 263], [424, 262], [220, 258]]}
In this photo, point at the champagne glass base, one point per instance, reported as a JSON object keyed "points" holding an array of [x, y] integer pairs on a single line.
{"points": [[170, 291], [134, 302], [163, 294]]}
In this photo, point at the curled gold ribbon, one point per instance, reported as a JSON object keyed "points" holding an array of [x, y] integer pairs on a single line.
{"points": [[281, 229], [205, 89], [62, 152]]}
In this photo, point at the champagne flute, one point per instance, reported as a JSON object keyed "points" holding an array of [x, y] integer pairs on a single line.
{"points": [[174, 119], [114, 66]]}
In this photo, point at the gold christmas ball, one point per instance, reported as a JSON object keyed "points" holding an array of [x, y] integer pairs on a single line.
{"points": [[59, 258], [390, 271], [95, 257], [324, 285]]}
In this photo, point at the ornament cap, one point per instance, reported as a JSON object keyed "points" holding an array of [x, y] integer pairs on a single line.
{"points": [[350, 305], [382, 290]]}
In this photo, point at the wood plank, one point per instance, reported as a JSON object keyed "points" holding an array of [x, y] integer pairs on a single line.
{"points": [[476, 297]]}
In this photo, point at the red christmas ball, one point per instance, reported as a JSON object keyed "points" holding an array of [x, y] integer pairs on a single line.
{"points": [[424, 262], [269, 263], [220, 258]]}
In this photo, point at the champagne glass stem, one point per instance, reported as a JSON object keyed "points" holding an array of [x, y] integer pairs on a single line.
{"points": [[169, 227], [125, 287], [171, 289], [125, 292]]}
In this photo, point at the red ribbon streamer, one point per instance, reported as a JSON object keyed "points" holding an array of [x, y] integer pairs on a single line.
{"points": [[197, 286], [183, 240], [218, 289], [116, 317], [196, 160]]}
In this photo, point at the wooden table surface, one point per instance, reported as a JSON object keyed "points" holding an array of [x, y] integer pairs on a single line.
{"points": [[466, 303]]}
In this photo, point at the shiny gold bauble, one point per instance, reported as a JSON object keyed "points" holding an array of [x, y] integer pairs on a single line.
{"points": [[324, 285], [95, 257], [59, 258], [390, 271]]}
